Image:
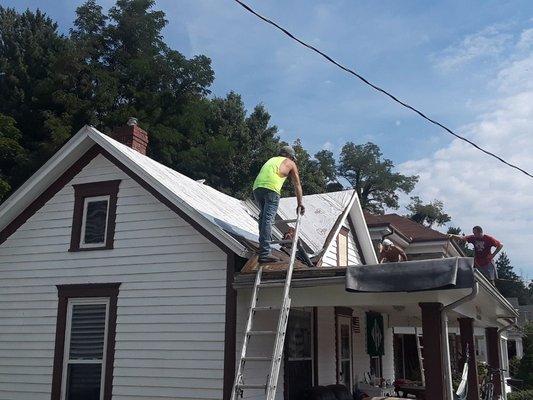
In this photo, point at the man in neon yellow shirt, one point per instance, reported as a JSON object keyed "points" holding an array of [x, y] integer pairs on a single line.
{"points": [[267, 191]]}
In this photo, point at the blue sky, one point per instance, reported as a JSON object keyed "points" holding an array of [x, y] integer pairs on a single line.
{"points": [[468, 64]]}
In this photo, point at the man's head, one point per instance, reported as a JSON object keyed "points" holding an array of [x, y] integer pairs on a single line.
{"points": [[288, 151], [387, 244], [477, 231]]}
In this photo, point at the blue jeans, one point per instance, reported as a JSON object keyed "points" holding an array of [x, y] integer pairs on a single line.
{"points": [[267, 201]]}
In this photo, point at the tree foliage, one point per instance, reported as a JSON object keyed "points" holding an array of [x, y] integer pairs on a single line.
{"points": [[373, 177], [509, 283], [428, 214], [116, 64], [525, 370], [464, 246]]}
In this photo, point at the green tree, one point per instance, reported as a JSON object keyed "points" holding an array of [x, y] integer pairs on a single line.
{"points": [[328, 167], [372, 176], [311, 175], [36, 86], [428, 214], [525, 371], [11, 152], [509, 283]]}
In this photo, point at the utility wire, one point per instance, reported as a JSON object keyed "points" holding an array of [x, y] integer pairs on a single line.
{"points": [[375, 87]]}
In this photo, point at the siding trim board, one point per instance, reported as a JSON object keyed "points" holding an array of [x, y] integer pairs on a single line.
{"points": [[356, 240], [66, 292], [81, 192]]}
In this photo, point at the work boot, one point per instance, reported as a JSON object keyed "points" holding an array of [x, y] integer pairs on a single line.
{"points": [[269, 259]]}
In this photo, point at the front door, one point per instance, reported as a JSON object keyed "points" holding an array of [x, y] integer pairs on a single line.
{"points": [[344, 351]]}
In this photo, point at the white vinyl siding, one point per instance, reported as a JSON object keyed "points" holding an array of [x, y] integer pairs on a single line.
{"points": [[171, 304], [330, 256]]}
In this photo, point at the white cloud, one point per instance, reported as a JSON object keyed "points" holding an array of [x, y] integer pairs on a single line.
{"points": [[479, 190], [489, 42], [526, 40]]}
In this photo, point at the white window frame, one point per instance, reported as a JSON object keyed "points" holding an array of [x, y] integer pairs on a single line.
{"points": [[66, 354], [86, 202], [344, 320]]}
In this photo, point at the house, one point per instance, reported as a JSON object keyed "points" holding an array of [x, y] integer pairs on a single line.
{"points": [[421, 242], [418, 241], [122, 278]]}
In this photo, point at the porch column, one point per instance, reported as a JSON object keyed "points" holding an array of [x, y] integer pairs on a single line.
{"points": [[433, 351], [466, 330], [493, 356]]}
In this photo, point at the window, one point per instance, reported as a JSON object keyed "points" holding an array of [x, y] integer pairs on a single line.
{"points": [[344, 350], [84, 360], [299, 353], [342, 247], [93, 222], [85, 342]]}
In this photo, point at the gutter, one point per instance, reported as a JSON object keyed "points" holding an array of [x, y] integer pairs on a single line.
{"points": [[513, 321]]}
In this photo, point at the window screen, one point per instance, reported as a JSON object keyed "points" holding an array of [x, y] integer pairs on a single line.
{"points": [[85, 345], [95, 221]]}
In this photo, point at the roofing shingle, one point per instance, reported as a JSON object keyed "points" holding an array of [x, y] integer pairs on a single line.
{"points": [[414, 231]]}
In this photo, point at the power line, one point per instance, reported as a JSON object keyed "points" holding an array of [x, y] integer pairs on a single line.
{"points": [[379, 89]]}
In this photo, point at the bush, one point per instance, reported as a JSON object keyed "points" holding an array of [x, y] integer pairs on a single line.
{"points": [[514, 366], [522, 395]]}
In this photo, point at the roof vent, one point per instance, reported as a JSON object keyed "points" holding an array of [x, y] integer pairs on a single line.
{"points": [[132, 135]]}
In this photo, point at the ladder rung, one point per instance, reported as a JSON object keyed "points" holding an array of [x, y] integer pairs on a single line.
{"points": [[257, 358], [283, 241], [286, 221], [266, 308], [257, 333], [267, 284], [252, 386]]}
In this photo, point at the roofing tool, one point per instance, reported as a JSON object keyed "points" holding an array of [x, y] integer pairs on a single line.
{"points": [[271, 379]]}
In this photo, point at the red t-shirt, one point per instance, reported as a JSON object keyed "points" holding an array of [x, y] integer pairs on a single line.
{"points": [[482, 248]]}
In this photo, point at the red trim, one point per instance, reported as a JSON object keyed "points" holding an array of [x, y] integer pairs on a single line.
{"points": [[433, 359], [65, 292], [493, 356], [466, 330], [55, 187], [233, 264], [81, 192], [68, 175]]}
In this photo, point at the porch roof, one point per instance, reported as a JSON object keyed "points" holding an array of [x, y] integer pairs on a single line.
{"points": [[316, 287]]}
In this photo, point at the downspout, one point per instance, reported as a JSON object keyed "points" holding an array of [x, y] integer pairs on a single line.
{"points": [[445, 345]]}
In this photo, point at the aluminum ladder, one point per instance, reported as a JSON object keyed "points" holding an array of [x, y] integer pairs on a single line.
{"points": [[419, 349], [271, 381]]}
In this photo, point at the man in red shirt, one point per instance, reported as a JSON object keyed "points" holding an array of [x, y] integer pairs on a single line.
{"points": [[483, 255]]}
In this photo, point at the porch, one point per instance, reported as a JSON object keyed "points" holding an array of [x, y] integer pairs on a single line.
{"points": [[327, 340]]}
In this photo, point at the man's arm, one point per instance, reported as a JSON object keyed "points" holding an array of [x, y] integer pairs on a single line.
{"points": [[295, 178], [498, 246], [457, 237], [403, 256]]}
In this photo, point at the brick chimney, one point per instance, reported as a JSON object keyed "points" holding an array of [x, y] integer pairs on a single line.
{"points": [[132, 135]]}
